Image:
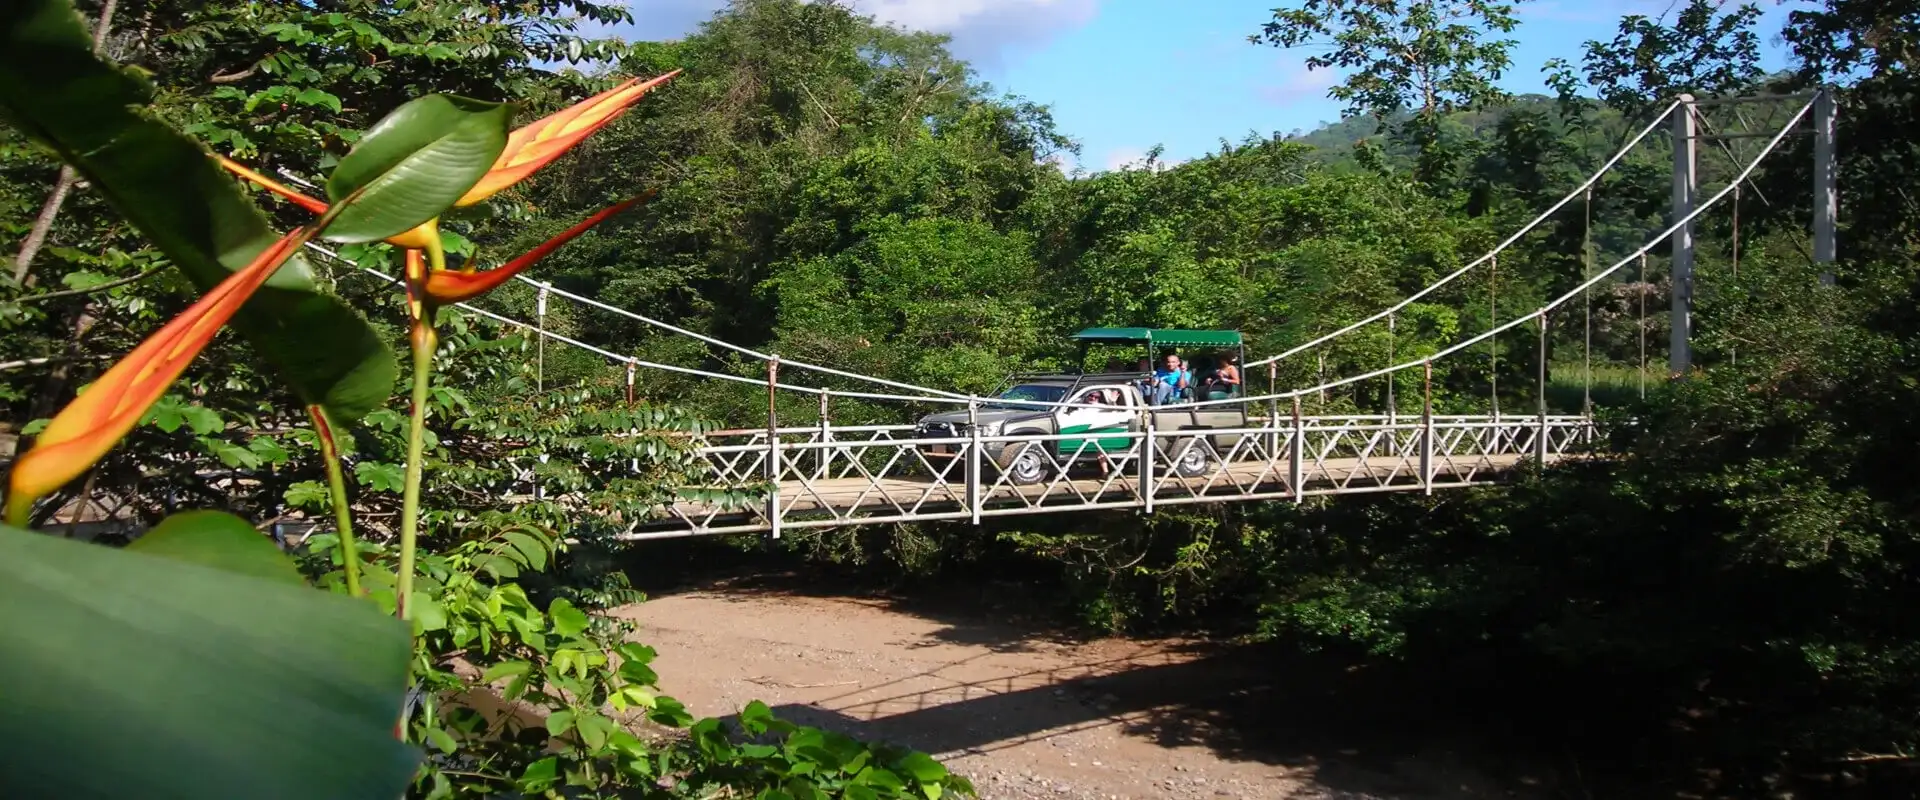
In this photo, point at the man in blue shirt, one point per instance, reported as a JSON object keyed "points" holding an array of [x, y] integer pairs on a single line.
{"points": [[1168, 381]]}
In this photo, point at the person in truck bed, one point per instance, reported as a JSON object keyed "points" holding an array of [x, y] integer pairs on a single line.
{"points": [[1223, 381], [1169, 382]]}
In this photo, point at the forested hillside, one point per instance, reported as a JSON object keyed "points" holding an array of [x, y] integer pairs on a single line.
{"points": [[1719, 608]]}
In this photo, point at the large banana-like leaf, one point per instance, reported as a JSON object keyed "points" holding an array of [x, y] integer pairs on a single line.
{"points": [[412, 165], [134, 675], [56, 90]]}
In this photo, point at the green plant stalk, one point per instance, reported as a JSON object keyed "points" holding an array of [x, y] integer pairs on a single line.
{"points": [[337, 494], [421, 339]]}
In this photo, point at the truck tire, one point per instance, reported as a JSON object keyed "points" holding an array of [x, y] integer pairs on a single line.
{"points": [[1192, 457], [1024, 463]]}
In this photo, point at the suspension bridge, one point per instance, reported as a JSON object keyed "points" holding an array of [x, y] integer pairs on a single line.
{"points": [[823, 475]]}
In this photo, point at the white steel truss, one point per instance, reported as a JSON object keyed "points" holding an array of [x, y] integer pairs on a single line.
{"points": [[824, 476]]}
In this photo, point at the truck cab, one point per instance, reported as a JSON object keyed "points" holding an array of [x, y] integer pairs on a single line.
{"points": [[1100, 405]]}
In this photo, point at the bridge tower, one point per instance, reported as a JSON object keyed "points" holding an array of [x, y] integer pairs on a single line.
{"points": [[1686, 192]]}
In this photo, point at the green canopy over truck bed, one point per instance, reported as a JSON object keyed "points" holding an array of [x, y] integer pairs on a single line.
{"points": [[1168, 337]]}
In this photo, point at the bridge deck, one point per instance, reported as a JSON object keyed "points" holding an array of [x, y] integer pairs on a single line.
{"points": [[1339, 475], [881, 474]]}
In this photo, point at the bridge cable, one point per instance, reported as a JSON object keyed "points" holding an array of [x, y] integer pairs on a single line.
{"points": [[1540, 312], [1493, 345], [1793, 234], [1733, 350], [1503, 245], [623, 359], [1586, 301], [747, 351], [1642, 290], [1392, 407]]}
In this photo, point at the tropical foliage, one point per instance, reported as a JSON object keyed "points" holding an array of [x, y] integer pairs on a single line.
{"points": [[810, 183]]}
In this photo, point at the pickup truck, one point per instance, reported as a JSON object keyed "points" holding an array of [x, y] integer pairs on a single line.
{"points": [[1014, 413]]}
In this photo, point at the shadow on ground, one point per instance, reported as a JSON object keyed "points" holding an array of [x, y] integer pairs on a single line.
{"points": [[1355, 730]]}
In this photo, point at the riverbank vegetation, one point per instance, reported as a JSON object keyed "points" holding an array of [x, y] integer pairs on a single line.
{"points": [[1726, 593]]}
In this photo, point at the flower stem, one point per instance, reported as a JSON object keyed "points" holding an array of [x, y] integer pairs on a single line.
{"points": [[337, 492], [422, 340]]}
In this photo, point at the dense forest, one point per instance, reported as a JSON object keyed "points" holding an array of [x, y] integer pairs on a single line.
{"points": [[1714, 609]]}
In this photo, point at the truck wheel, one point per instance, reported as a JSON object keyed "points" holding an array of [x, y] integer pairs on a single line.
{"points": [[1024, 464], [1192, 458]]}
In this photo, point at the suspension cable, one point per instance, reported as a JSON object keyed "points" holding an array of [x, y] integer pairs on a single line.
{"points": [[1392, 408], [1504, 244], [1662, 236], [1793, 234], [1733, 350], [746, 351], [1642, 290], [624, 359], [1493, 345], [1586, 302]]}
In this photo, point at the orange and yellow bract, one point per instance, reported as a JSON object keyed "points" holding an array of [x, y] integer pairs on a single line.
{"points": [[452, 286], [89, 426], [529, 148], [541, 141], [420, 237]]}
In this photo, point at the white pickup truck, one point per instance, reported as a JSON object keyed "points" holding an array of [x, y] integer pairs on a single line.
{"points": [[1014, 413]]}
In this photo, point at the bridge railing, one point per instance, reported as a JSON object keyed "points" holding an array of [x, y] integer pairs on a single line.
{"points": [[828, 476]]}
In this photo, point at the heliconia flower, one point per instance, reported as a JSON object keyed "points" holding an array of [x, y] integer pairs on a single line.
{"points": [[416, 238], [272, 185], [102, 415], [543, 140], [452, 286]]}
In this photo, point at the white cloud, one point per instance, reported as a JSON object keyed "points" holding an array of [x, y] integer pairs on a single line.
{"points": [[984, 32], [1299, 84], [658, 20], [1121, 157], [1135, 158]]}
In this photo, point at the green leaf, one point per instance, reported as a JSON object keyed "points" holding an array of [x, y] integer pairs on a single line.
{"points": [[219, 540], [594, 729], [922, 767], [131, 673], [559, 722], [310, 495], [167, 413], [443, 740], [380, 477], [414, 163], [316, 97], [754, 718], [203, 420], [540, 774], [268, 450], [532, 550], [427, 613], [567, 620], [504, 669], [92, 114]]}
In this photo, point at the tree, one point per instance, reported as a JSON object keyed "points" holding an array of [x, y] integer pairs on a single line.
{"points": [[1428, 56], [1704, 52]]}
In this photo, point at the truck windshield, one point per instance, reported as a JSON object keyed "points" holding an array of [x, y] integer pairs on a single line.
{"points": [[1035, 392]]}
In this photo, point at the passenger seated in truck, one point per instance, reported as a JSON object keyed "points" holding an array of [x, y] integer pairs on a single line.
{"points": [[1168, 382], [1223, 381]]}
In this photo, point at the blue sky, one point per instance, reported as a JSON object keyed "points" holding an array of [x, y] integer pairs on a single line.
{"points": [[1124, 75]]}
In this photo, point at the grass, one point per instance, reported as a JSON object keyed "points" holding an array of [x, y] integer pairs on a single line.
{"points": [[1613, 385]]}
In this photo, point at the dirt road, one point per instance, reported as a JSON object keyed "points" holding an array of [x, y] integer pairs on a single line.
{"points": [[1023, 715]]}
